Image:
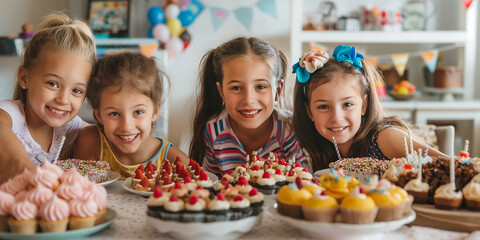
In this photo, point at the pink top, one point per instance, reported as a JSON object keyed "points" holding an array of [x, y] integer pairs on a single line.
{"points": [[55, 209]]}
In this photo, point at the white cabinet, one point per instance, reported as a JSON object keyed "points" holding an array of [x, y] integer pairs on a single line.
{"points": [[466, 37]]}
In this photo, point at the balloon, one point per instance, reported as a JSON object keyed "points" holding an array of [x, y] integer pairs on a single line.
{"points": [[172, 11], [183, 4], [185, 36], [174, 26], [161, 32], [196, 7], [150, 32], [185, 45], [186, 17], [174, 46], [156, 15]]}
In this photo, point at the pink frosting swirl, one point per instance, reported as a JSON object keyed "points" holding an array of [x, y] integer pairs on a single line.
{"points": [[6, 202], [83, 207], [44, 177], [314, 60], [55, 209], [39, 195], [52, 168], [69, 191], [24, 210], [99, 195], [18, 183], [70, 176], [21, 196]]}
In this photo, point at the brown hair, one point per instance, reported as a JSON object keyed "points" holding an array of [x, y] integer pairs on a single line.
{"points": [[66, 35], [126, 70], [209, 101], [321, 150]]}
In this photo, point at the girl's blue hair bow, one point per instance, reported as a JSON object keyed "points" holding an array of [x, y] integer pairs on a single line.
{"points": [[349, 54], [302, 74]]}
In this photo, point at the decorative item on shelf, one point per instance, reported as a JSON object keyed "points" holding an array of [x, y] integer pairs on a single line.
{"points": [[447, 77], [109, 18], [169, 24], [391, 76], [350, 24], [27, 31], [416, 14], [403, 90], [328, 12]]}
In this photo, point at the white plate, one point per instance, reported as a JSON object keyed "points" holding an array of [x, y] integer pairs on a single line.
{"points": [[111, 177], [127, 185], [214, 230], [69, 234], [343, 230], [454, 220]]}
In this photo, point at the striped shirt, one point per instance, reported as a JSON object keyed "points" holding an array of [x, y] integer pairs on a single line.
{"points": [[224, 151]]}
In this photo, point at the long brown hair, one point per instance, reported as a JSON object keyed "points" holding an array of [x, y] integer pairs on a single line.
{"points": [[321, 150], [209, 102], [66, 35]]}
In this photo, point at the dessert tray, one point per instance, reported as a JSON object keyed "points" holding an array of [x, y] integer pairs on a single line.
{"points": [[453, 220], [127, 185], [343, 231], [110, 178], [69, 234], [213, 230]]}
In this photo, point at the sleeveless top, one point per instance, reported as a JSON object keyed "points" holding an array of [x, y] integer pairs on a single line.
{"points": [[373, 149], [106, 154], [16, 110]]}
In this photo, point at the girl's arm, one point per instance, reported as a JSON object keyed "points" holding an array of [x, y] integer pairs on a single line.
{"points": [[390, 141], [87, 145], [174, 152], [13, 157]]}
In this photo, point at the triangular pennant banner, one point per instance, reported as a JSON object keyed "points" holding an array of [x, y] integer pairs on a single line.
{"points": [[430, 58], [268, 7], [400, 62], [372, 60], [147, 50], [314, 46], [244, 16], [467, 3], [219, 16]]}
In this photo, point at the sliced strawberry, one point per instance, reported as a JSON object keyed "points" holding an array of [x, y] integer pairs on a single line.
{"points": [[220, 197], [149, 175], [203, 176], [191, 162], [187, 179], [184, 174], [149, 168], [166, 180], [149, 163], [138, 175], [178, 185], [144, 182], [178, 160], [298, 165]]}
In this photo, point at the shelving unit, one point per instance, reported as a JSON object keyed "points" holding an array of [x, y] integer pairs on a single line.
{"points": [[465, 37]]}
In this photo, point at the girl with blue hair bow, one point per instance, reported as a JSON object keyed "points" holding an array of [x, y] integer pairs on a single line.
{"points": [[336, 101]]}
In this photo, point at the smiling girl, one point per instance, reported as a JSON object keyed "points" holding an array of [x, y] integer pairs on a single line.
{"points": [[336, 98]]}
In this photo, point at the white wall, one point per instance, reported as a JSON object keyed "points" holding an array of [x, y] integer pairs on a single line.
{"points": [[183, 69]]}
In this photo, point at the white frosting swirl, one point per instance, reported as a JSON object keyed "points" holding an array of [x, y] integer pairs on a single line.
{"points": [[176, 206], [218, 205], [266, 181], [244, 203], [448, 191], [198, 206], [416, 185], [472, 190]]}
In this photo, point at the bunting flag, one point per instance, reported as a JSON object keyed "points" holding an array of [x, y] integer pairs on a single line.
{"points": [[372, 60], [268, 7], [467, 3], [147, 50], [244, 16], [430, 58], [219, 16], [400, 62]]}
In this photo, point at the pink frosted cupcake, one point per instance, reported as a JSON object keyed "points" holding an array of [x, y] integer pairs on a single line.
{"points": [[100, 197], [71, 176], [21, 196], [39, 195], [18, 183], [54, 169], [54, 215], [69, 191], [46, 178], [83, 213], [6, 202], [24, 217]]}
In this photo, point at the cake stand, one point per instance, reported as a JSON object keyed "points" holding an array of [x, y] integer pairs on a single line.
{"points": [[446, 94]]}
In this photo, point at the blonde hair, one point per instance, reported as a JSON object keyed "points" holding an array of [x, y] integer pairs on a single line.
{"points": [[66, 35]]}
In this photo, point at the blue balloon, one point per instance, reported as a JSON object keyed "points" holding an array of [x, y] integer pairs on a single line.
{"points": [[186, 17], [150, 32], [156, 15]]}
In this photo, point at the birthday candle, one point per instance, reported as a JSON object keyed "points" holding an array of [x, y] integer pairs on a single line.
{"points": [[336, 148], [411, 141], [59, 149], [406, 148], [420, 166], [452, 171]]}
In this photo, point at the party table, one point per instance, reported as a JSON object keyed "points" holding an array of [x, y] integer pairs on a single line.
{"points": [[131, 223]]}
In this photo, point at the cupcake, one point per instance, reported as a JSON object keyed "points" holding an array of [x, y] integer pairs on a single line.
{"points": [[447, 197], [100, 197], [358, 208], [39, 195], [256, 201], [17, 184], [229, 192], [370, 184], [266, 184], [242, 186], [70, 176], [46, 178], [69, 191], [305, 175], [291, 176], [320, 208], [389, 207], [6, 202], [311, 187], [255, 173], [240, 207], [335, 185], [54, 169], [23, 217], [143, 185], [194, 210], [280, 179], [189, 184], [290, 199], [179, 190], [418, 189], [150, 179], [83, 213], [156, 201], [173, 209], [471, 193], [54, 215], [218, 209]]}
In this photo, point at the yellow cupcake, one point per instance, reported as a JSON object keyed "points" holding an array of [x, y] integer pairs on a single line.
{"points": [[312, 188], [290, 198], [352, 183], [390, 207], [320, 208], [335, 185], [358, 208], [403, 195]]}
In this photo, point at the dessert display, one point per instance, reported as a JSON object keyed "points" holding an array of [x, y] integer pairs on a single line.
{"points": [[95, 170], [51, 201]]}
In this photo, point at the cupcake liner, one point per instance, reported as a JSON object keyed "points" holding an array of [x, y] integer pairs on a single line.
{"points": [[407, 205], [358, 216], [80, 223], [294, 211], [389, 213], [419, 197], [100, 217], [23, 226], [257, 208], [267, 190], [53, 226], [171, 216], [472, 204], [193, 216], [447, 203], [239, 213], [3, 224], [320, 215], [218, 216]]}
